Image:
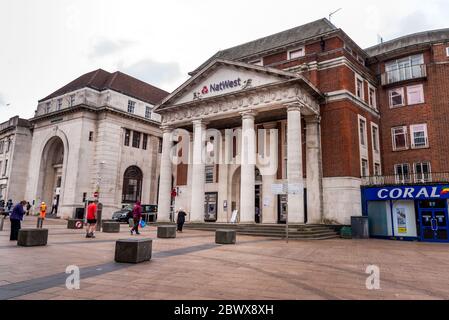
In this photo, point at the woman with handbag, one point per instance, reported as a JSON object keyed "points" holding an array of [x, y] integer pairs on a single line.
{"points": [[137, 216]]}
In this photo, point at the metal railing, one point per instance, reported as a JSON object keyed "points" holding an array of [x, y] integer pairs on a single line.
{"points": [[403, 74], [407, 179]]}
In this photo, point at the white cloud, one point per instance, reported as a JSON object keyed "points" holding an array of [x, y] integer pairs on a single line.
{"points": [[102, 47]]}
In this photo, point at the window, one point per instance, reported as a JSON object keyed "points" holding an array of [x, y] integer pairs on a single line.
{"points": [[296, 53], [48, 107], [91, 136], [5, 168], [72, 100], [419, 136], [447, 51], [127, 137], [8, 145], [145, 141], [148, 112], [131, 106], [59, 104], [359, 87], [375, 137], [160, 146], [377, 170], [404, 69], [210, 174], [399, 135], [136, 139], [1, 162], [372, 97], [415, 94], [365, 171], [397, 97], [258, 62], [422, 172], [402, 173], [2, 145], [362, 132]]}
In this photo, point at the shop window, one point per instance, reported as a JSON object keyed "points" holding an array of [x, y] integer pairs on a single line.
{"points": [[296, 53], [415, 94], [365, 170], [210, 174], [131, 106], [127, 137], [136, 139], [402, 173], [422, 172], [419, 136], [399, 135], [359, 91], [397, 98]]}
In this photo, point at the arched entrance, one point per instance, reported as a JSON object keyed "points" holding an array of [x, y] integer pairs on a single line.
{"points": [[235, 193], [132, 185], [51, 172]]}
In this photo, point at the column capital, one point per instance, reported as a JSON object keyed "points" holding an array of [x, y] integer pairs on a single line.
{"points": [[295, 106], [248, 114], [200, 122], [166, 129], [313, 119]]}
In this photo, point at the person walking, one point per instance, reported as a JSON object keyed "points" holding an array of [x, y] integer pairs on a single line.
{"points": [[54, 206], [137, 216], [16, 218], [9, 205], [42, 215], [92, 210], [181, 219], [28, 206]]}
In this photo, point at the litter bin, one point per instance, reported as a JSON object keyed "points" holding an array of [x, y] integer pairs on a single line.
{"points": [[79, 213], [360, 227]]}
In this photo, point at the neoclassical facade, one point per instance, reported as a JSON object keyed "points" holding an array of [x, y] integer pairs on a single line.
{"points": [[96, 137]]}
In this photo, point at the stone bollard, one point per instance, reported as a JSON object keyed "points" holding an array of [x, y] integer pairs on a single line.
{"points": [[133, 250], [111, 227], [225, 236], [166, 232], [75, 224], [2, 222], [32, 237]]}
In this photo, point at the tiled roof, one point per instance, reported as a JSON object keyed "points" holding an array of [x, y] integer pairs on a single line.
{"points": [[408, 41], [274, 41], [101, 80]]}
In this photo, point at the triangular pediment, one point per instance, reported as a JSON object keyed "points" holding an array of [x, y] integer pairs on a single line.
{"points": [[221, 78]]}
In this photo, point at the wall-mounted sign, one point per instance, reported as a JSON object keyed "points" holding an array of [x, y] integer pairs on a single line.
{"points": [[223, 86], [406, 193]]}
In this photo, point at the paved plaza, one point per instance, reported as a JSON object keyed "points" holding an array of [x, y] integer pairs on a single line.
{"points": [[193, 267]]}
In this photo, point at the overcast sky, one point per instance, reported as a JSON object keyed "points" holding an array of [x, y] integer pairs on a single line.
{"points": [[44, 44]]}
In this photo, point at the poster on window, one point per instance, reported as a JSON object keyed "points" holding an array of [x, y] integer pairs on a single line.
{"points": [[401, 215]]}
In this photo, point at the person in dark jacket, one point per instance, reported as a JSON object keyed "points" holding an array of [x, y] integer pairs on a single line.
{"points": [[181, 219], [16, 217], [137, 215], [9, 205]]}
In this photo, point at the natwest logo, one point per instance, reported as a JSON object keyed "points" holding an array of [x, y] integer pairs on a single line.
{"points": [[224, 85]]}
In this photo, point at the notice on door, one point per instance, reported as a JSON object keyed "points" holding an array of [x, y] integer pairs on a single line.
{"points": [[401, 215]]}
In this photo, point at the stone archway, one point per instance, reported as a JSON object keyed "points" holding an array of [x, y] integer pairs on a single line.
{"points": [[132, 185], [51, 173]]}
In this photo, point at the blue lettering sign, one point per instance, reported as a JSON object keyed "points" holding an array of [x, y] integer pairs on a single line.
{"points": [[406, 193]]}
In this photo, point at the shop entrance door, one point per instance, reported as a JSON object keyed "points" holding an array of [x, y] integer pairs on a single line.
{"points": [[433, 219]]}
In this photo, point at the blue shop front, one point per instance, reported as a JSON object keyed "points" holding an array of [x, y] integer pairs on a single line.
{"points": [[408, 212]]}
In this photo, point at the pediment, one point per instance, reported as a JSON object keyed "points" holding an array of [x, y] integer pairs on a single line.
{"points": [[221, 78]]}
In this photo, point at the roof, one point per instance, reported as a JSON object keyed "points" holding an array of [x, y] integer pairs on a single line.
{"points": [[415, 39], [274, 41], [101, 80], [14, 122]]}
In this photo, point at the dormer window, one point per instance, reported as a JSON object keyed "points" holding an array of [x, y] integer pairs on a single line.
{"points": [[258, 62], [48, 107], [59, 104], [131, 106], [296, 53], [72, 100]]}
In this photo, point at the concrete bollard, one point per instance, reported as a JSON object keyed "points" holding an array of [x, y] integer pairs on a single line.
{"points": [[133, 250], [2, 222], [32, 237], [166, 232], [225, 236], [111, 227]]}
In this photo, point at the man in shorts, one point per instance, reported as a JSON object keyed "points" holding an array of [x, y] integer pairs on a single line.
{"points": [[91, 219]]}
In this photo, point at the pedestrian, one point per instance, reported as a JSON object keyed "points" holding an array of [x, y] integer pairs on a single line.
{"points": [[91, 219], [28, 208], [181, 219], [16, 218], [54, 206], [9, 205], [42, 215], [137, 216]]}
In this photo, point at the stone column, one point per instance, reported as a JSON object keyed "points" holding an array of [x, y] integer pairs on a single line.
{"points": [[313, 156], [269, 175], [198, 172], [294, 165], [165, 180], [248, 167]]}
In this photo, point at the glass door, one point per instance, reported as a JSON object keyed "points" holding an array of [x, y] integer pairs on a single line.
{"points": [[433, 218]]}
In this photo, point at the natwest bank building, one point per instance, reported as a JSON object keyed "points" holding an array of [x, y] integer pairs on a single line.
{"points": [[289, 126]]}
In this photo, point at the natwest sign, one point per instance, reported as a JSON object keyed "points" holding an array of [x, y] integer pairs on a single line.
{"points": [[222, 86]]}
